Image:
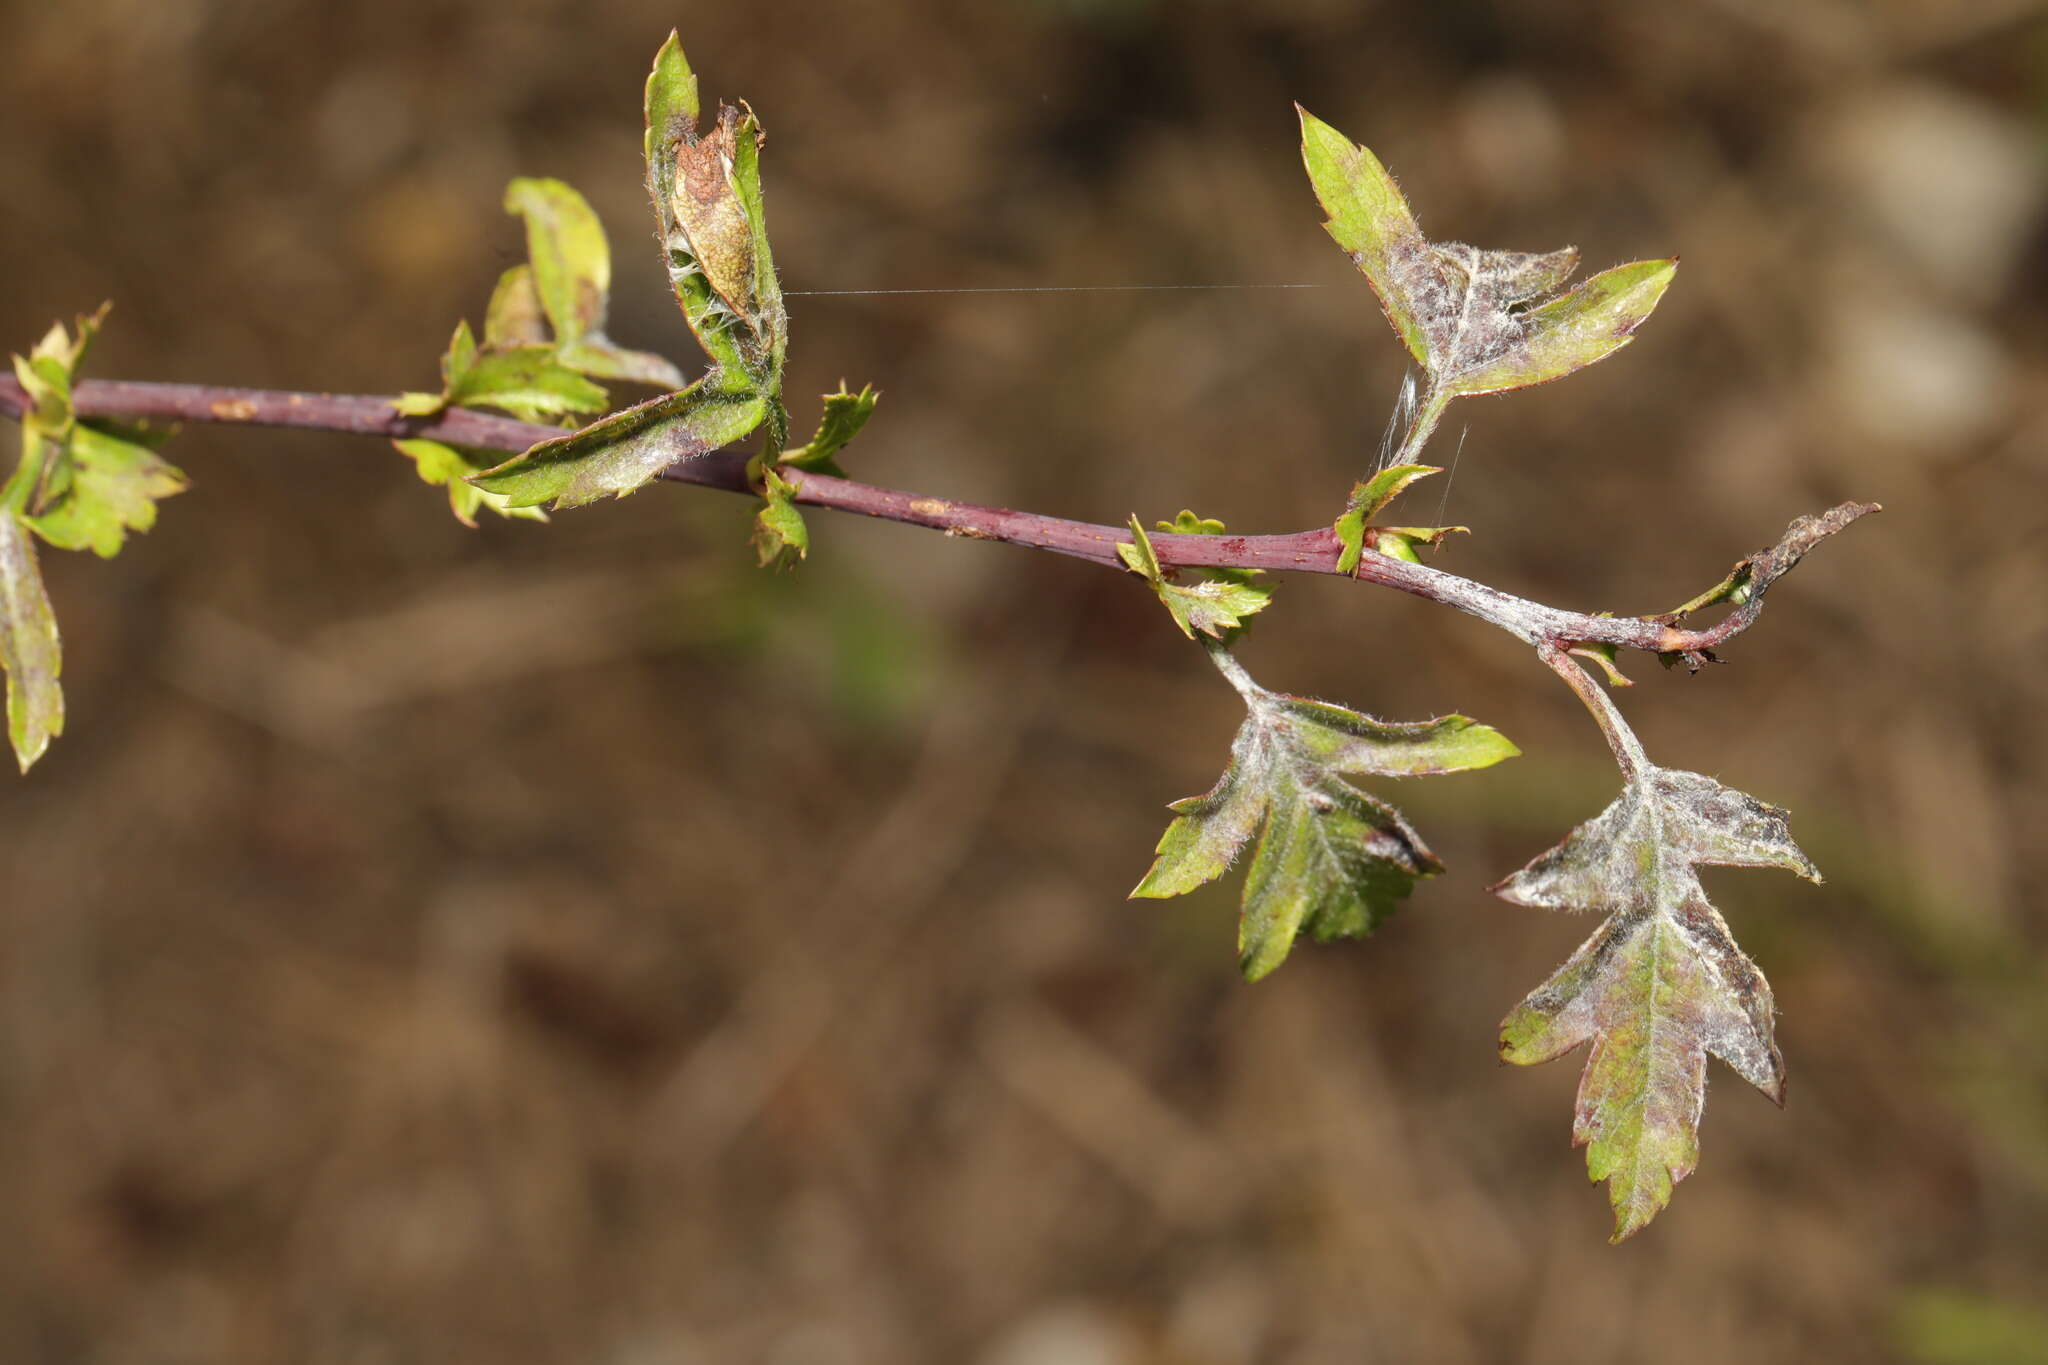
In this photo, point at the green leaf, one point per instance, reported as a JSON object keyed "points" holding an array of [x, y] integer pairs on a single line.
{"points": [[671, 105], [1563, 336], [450, 467], [1350, 529], [1660, 985], [845, 414], [1367, 499], [1329, 860], [570, 278], [619, 453], [104, 489], [1216, 607], [526, 381], [780, 537], [29, 648], [78, 486], [1382, 488], [571, 261], [1477, 321], [515, 317], [1370, 219]]}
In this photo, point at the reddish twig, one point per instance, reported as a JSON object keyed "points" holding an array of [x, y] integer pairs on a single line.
{"points": [[1312, 551]]}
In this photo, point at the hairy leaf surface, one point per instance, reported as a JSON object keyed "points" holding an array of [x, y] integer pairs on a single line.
{"points": [[622, 452], [1216, 607], [1477, 321], [1328, 859], [1660, 985]]}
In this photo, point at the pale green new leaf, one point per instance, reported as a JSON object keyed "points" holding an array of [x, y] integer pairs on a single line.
{"points": [[1215, 607], [527, 381], [622, 452], [448, 467], [102, 489], [571, 261], [571, 278], [1370, 219], [515, 317], [780, 537], [1660, 985], [29, 647], [1329, 860]]}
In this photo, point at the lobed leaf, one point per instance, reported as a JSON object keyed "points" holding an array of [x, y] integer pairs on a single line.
{"points": [[845, 415], [1660, 985], [1215, 607], [100, 490], [1329, 860]]}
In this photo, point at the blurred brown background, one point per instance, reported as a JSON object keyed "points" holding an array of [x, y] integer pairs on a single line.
{"points": [[566, 944]]}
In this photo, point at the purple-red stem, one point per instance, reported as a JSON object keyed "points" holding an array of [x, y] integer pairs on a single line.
{"points": [[1312, 551]]}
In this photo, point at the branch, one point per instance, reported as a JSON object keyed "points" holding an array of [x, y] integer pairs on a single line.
{"points": [[1312, 551]]}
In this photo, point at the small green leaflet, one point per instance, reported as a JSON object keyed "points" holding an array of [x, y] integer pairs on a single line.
{"points": [[1476, 321], [780, 537], [527, 380], [1367, 499], [449, 467], [1328, 859], [1216, 608], [1660, 984], [845, 414]]}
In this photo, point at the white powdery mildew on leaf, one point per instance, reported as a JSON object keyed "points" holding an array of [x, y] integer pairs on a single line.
{"points": [[1328, 860], [1471, 305], [1660, 985]]}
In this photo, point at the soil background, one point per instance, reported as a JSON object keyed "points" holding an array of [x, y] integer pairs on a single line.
{"points": [[570, 944]]}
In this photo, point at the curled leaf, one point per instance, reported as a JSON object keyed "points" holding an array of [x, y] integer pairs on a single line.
{"points": [[619, 453]]}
